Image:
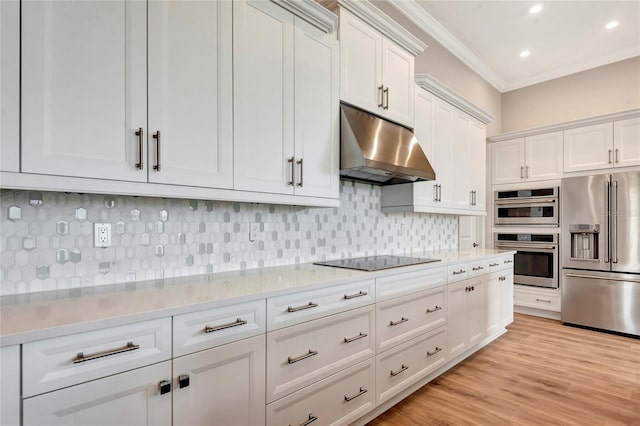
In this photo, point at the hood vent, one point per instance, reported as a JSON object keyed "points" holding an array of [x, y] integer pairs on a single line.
{"points": [[379, 151]]}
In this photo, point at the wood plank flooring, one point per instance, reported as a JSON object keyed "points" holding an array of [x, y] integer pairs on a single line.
{"points": [[539, 373]]}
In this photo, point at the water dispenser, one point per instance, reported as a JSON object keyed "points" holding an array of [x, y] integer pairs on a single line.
{"points": [[584, 241]]}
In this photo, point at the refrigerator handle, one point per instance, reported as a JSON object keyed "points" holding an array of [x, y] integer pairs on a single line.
{"points": [[607, 218], [614, 223]]}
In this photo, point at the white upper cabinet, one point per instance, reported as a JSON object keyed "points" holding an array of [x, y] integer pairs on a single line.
{"points": [[426, 109], [478, 154], [84, 89], [588, 148], [398, 81], [528, 159], [190, 93], [626, 142], [10, 85]]}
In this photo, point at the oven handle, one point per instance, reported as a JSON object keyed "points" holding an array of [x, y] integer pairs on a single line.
{"points": [[527, 201], [525, 246]]}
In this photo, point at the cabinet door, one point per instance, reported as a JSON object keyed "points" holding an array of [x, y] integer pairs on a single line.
{"points": [[493, 314], [445, 159], [588, 148], [84, 94], [360, 63], [506, 298], [475, 304], [398, 80], [131, 398], [10, 85], [543, 154], [461, 141], [426, 107], [626, 142], [457, 319], [226, 385], [263, 85], [190, 93], [478, 167], [10, 385], [316, 114], [507, 161]]}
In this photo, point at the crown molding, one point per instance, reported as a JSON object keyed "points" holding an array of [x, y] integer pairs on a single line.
{"points": [[620, 115], [312, 12], [442, 91], [373, 16], [427, 23]]}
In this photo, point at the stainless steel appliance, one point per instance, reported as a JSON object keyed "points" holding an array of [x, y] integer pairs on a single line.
{"points": [[527, 207], [536, 258], [601, 251], [376, 263]]}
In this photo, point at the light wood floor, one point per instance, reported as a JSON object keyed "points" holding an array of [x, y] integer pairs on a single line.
{"points": [[540, 373]]}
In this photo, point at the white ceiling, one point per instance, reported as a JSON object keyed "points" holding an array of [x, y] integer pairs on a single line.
{"points": [[564, 38]]}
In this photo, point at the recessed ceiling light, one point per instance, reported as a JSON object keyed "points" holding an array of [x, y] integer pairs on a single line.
{"points": [[536, 8], [524, 53], [611, 25]]}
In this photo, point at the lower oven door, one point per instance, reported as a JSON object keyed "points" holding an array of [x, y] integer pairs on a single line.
{"points": [[526, 213], [534, 265]]}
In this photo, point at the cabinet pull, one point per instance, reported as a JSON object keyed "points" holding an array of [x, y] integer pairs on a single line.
{"points": [[400, 321], [361, 392], [615, 155], [353, 339], [478, 268], [140, 135], [435, 193], [610, 152], [353, 296], [475, 197], [509, 260], [521, 172], [386, 106], [434, 352], [302, 308], [312, 419], [301, 173], [156, 136], [436, 309], [526, 172], [543, 300], [236, 323], [403, 368], [381, 93], [439, 192], [293, 165], [471, 198], [164, 386], [183, 381], [493, 264], [301, 357], [461, 271], [502, 278], [80, 357]]}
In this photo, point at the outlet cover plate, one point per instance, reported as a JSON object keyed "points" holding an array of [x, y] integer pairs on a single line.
{"points": [[102, 235]]}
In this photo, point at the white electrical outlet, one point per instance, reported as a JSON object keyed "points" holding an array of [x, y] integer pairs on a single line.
{"points": [[102, 235], [254, 228]]}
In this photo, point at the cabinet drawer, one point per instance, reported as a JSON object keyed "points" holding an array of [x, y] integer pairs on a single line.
{"points": [[479, 267], [404, 318], [304, 306], [300, 355], [537, 300], [410, 282], [337, 400], [206, 329], [402, 366], [64, 361], [457, 272], [497, 263]]}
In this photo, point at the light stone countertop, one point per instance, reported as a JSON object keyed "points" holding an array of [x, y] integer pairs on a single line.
{"points": [[30, 317]]}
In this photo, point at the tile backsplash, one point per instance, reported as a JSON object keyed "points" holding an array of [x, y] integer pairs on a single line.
{"points": [[47, 238]]}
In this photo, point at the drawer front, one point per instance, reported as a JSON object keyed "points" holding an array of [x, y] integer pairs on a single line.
{"points": [[532, 299], [300, 355], [214, 327], [479, 267], [337, 400], [64, 361], [404, 318], [500, 263], [457, 272], [404, 365], [304, 306], [410, 282]]}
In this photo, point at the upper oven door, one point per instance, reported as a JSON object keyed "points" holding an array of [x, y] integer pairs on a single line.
{"points": [[539, 212]]}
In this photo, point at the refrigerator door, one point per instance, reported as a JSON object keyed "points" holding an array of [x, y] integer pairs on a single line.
{"points": [[605, 300], [585, 206], [625, 222]]}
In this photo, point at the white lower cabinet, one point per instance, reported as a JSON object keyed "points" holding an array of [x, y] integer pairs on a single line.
{"points": [[466, 315], [404, 365], [138, 397], [10, 386], [337, 400], [221, 386]]}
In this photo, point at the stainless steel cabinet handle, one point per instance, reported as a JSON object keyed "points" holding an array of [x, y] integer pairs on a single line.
{"points": [[610, 156], [436, 309], [435, 192], [521, 172], [302, 308], [511, 261], [293, 165], [434, 352], [156, 136], [493, 264], [479, 268], [400, 321], [361, 392], [440, 192], [594, 277], [381, 94], [301, 173], [353, 339], [461, 271], [312, 419], [353, 296], [402, 368], [81, 357], [526, 172], [502, 278], [615, 155], [236, 323], [470, 198], [386, 106], [301, 357], [543, 300], [140, 135]]}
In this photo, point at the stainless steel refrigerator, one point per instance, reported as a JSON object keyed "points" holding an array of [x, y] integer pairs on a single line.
{"points": [[600, 246]]}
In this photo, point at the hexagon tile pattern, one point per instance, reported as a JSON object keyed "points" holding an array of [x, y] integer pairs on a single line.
{"points": [[47, 237]]}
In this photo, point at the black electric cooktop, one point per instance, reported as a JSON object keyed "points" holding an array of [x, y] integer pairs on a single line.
{"points": [[376, 263]]}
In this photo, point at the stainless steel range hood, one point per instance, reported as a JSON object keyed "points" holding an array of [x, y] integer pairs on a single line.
{"points": [[378, 151]]}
